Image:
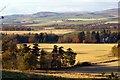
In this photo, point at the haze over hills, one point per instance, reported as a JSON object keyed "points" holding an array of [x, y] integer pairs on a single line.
{"points": [[112, 12], [46, 16]]}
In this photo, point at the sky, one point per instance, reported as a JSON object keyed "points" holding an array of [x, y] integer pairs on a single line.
{"points": [[33, 6]]}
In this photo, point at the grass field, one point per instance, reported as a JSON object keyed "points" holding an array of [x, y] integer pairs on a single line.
{"points": [[55, 31], [66, 21], [74, 22], [94, 53], [112, 22]]}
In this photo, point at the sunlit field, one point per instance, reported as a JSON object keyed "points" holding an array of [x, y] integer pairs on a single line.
{"points": [[55, 31], [94, 53], [75, 21]]}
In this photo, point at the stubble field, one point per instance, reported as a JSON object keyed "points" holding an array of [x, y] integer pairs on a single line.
{"points": [[94, 53], [55, 31]]}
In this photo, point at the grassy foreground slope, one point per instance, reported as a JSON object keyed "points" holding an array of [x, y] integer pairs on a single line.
{"points": [[49, 76], [23, 75]]}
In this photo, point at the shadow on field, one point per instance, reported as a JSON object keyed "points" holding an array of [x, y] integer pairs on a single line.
{"points": [[7, 75], [87, 67]]}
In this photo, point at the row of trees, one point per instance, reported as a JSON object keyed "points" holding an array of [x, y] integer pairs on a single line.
{"points": [[104, 36], [32, 38], [33, 58], [13, 27]]}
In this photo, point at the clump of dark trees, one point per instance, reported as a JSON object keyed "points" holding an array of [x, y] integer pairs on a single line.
{"points": [[26, 58]]}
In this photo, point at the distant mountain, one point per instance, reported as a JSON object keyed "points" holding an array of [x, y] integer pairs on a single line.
{"points": [[16, 17], [44, 16], [112, 12]]}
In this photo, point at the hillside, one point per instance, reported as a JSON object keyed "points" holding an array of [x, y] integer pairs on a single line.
{"points": [[112, 12], [49, 16]]}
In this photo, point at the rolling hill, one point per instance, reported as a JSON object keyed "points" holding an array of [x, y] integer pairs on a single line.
{"points": [[51, 16], [112, 12]]}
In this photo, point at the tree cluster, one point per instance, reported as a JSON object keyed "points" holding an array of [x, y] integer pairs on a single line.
{"points": [[27, 58]]}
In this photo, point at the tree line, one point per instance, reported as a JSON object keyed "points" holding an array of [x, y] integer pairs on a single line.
{"points": [[105, 36]]}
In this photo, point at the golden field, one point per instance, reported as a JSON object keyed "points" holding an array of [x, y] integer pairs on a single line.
{"points": [[55, 31], [94, 53]]}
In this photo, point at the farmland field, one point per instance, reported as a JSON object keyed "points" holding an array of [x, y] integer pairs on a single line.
{"points": [[55, 31], [94, 53], [74, 22]]}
